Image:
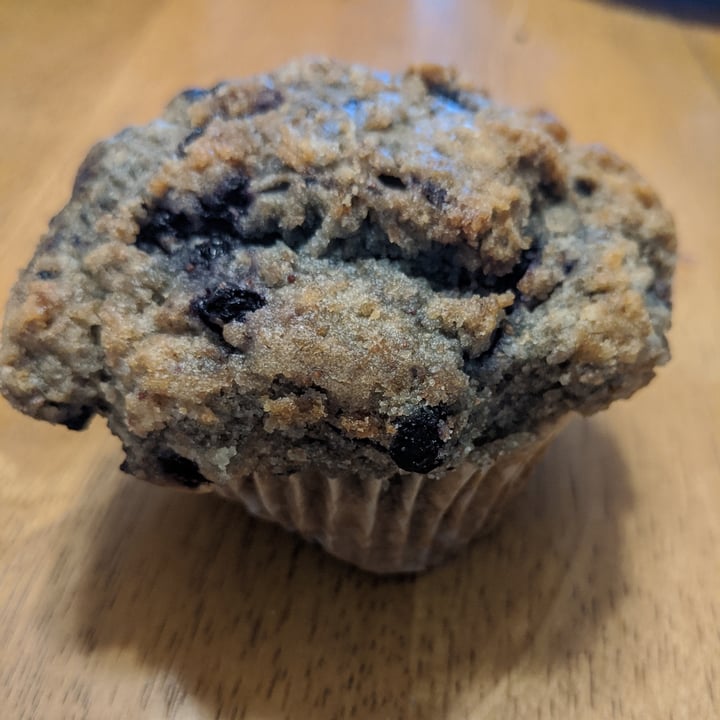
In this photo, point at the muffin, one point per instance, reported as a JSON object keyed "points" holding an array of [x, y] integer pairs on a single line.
{"points": [[359, 303]]}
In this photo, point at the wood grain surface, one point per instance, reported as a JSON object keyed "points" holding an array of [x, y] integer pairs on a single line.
{"points": [[599, 596]]}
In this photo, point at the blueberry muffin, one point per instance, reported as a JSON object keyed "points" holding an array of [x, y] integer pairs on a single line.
{"points": [[359, 303]]}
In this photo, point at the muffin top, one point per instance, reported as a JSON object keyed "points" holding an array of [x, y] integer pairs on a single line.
{"points": [[333, 267]]}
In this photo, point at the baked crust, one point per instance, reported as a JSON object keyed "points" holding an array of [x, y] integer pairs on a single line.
{"points": [[329, 269]]}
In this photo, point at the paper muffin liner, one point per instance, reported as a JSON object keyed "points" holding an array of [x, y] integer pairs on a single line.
{"points": [[403, 526]]}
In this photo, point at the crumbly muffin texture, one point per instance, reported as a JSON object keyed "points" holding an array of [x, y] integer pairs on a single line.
{"points": [[336, 269]]}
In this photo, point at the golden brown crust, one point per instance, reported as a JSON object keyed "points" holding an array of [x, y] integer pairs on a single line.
{"points": [[334, 268]]}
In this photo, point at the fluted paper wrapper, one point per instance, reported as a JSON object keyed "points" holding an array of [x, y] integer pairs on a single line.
{"points": [[404, 526]]}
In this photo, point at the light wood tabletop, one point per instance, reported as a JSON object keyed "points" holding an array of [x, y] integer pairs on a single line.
{"points": [[599, 595]]}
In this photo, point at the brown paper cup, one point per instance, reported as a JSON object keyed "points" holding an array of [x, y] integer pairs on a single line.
{"points": [[403, 526]]}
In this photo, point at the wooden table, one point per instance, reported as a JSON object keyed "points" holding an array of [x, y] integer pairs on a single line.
{"points": [[599, 596]]}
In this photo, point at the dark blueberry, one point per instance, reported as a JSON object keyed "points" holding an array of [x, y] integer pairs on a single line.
{"points": [[391, 181], [226, 303], [232, 195], [46, 275], [193, 94], [417, 443], [160, 225], [181, 469], [218, 216], [434, 194], [585, 186]]}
